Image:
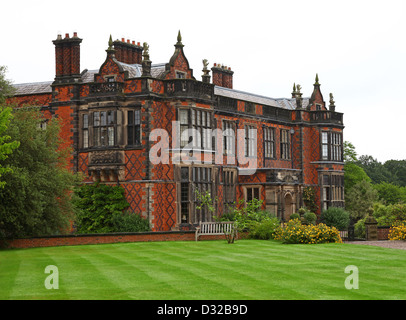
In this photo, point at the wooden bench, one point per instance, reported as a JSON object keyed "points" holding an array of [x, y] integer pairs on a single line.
{"points": [[214, 228]]}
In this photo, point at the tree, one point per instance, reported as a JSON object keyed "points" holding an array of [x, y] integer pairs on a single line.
{"points": [[353, 174], [6, 148], [360, 199], [375, 169], [36, 199], [389, 193], [6, 87], [397, 168], [349, 154], [98, 206]]}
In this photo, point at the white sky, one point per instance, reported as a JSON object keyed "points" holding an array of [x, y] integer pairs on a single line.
{"points": [[357, 47]]}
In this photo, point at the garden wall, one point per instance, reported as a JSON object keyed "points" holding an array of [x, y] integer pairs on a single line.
{"points": [[71, 240]]}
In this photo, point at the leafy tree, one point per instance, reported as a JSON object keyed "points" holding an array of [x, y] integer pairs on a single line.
{"points": [[397, 168], [375, 169], [389, 193], [35, 200], [98, 206], [353, 174], [6, 87], [6, 148], [350, 155], [360, 199]]}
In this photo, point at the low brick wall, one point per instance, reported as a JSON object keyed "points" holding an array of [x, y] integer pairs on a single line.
{"points": [[383, 233], [72, 240]]}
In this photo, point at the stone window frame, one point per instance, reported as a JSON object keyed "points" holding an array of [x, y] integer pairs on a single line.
{"points": [[87, 133], [205, 141]]}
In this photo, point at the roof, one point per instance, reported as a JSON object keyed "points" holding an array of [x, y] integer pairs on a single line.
{"points": [[284, 103], [135, 71]]}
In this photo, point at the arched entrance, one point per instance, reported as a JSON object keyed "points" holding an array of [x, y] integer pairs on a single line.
{"points": [[288, 206]]}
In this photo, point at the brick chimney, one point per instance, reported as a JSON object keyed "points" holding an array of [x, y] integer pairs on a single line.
{"points": [[67, 57], [128, 52], [222, 76]]}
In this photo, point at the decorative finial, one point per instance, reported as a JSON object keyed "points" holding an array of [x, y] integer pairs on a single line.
{"points": [[205, 64], [110, 50], [179, 43], [294, 91], [206, 76], [332, 106], [145, 50], [298, 88], [317, 79], [110, 43], [331, 100]]}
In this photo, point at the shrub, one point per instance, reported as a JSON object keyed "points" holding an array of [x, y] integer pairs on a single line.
{"points": [[336, 217], [129, 222], [96, 205], [359, 228], [295, 232], [398, 231], [294, 216], [309, 218], [264, 229]]}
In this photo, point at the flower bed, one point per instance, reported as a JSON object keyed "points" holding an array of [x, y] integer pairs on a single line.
{"points": [[398, 231], [295, 232]]}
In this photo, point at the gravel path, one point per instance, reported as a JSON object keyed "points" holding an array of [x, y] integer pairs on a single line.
{"points": [[393, 244]]}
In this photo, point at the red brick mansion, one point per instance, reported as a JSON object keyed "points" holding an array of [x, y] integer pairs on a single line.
{"points": [[161, 133]]}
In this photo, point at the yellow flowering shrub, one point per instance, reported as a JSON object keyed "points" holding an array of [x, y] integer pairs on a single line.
{"points": [[398, 231], [295, 232]]}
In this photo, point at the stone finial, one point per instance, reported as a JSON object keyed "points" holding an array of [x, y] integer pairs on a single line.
{"points": [[298, 96], [331, 99], [145, 53], [317, 80], [205, 76], [179, 39], [110, 49], [294, 91], [146, 63]]}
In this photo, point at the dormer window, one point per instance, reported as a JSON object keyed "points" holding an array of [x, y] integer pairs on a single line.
{"points": [[318, 107], [180, 75]]}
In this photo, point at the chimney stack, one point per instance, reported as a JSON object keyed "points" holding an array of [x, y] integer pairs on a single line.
{"points": [[222, 76], [128, 52], [67, 57]]}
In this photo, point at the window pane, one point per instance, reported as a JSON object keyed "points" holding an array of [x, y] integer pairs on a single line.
{"points": [[96, 119], [137, 117], [183, 117], [110, 117], [324, 137], [103, 118], [256, 193], [130, 117], [85, 121], [85, 139], [111, 136], [130, 131]]}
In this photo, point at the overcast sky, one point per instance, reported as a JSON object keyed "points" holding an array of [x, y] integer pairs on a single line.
{"points": [[357, 47]]}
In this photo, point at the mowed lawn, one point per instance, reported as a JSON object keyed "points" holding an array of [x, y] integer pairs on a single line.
{"points": [[209, 270]]}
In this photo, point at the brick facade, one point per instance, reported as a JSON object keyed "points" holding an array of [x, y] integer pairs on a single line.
{"points": [[109, 116]]}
